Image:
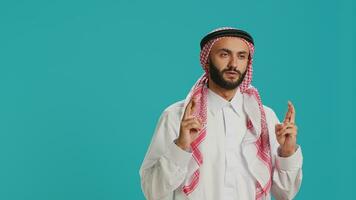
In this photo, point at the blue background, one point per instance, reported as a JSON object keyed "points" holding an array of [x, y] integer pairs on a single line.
{"points": [[82, 84]]}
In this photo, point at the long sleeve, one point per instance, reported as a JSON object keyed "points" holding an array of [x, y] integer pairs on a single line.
{"points": [[287, 173], [287, 176], [165, 164]]}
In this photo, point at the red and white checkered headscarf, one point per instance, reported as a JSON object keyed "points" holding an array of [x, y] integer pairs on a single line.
{"points": [[199, 92]]}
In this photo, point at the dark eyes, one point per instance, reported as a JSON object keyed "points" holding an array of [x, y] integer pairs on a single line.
{"points": [[224, 55]]}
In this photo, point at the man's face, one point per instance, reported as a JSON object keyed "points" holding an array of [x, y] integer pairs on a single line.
{"points": [[228, 61]]}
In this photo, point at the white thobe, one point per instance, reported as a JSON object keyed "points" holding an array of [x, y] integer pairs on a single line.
{"points": [[224, 174]]}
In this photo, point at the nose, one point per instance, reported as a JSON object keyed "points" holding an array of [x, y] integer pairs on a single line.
{"points": [[233, 61]]}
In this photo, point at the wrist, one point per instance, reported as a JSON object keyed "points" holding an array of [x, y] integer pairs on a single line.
{"points": [[286, 152], [185, 147]]}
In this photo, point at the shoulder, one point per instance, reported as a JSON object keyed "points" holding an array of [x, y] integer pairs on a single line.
{"points": [[268, 110], [175, 107], [173, 111], [270, 114]]}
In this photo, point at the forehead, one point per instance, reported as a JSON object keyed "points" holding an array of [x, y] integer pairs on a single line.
{"points": [[234, 44]]}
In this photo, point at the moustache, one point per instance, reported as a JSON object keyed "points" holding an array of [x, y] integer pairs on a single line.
{"points": [[231, 70]]}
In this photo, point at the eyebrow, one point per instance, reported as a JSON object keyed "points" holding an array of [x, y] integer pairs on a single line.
{"points": [[229, 51]]}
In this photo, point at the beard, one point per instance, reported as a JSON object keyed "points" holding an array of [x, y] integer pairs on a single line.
{"points": [[218, 77]]}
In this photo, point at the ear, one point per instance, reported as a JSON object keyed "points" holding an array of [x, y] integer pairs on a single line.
{"points": [[249, 60], [207, 62]]}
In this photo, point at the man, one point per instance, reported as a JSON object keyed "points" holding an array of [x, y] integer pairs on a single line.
{"points": [[221, 142]]}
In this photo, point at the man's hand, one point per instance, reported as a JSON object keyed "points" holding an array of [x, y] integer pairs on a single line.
{"points": [[287, 133], [189, 126]]}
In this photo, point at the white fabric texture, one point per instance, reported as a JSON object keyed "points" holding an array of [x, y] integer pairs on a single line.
{"points": [[229, 171]]}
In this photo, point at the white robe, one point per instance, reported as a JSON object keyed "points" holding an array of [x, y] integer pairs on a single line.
{"points": [[227, 173]]}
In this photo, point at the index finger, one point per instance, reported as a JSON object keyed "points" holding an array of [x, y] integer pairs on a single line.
{"points": [[292, 117], [188, 109], [288, 114]]}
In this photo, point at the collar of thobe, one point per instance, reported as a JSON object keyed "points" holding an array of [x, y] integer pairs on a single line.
{"points": [[216, 102]]}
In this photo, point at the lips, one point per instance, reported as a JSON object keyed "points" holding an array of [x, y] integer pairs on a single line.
{"points": [[231, 72]]}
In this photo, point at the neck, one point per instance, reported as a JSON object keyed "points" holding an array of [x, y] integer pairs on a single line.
{"points": [[224, 93]]}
